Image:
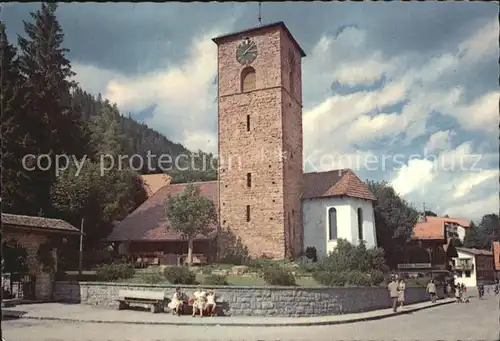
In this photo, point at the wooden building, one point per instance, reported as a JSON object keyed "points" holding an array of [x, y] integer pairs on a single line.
{"points": [[431, 249]]}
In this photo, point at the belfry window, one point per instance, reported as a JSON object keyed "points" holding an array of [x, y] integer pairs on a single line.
{"points": [[248, 79]]}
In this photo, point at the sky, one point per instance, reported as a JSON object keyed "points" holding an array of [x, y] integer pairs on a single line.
{"points": [[401, 92]]}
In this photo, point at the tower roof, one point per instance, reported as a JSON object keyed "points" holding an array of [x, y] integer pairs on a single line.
{"points": [[218, 40]]}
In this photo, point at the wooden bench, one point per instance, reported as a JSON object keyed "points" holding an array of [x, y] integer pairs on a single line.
{"points": [[155, 300]]}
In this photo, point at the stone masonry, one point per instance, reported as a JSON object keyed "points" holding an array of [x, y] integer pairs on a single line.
{"points": [[253, 301], [271, 151], [31, 243]]}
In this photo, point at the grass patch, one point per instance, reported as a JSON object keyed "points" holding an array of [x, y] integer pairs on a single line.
{"points": [[306, 282]]}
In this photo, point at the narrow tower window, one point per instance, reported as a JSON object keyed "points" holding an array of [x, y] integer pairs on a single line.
{"points": [[332, 223], [249, 180], [248, 79], [360, 224], [248, 122], [248, 212]]}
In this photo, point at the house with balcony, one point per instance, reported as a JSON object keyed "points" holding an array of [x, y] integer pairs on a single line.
{"points": [[454, 228], [431, 250], [473, 266]]}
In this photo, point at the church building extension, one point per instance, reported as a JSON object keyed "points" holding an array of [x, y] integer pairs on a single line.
{"points": [[262, 196]]}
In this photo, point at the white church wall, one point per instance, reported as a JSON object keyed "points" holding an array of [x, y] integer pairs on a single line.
{"points": [[369, 230], [316, 222]]}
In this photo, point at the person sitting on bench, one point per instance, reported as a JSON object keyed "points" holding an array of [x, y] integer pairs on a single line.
{"points": [[200, 297], [211, 305], [176, 304]]}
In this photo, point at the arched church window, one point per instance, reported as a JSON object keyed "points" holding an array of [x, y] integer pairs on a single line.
{"points": [[360, 223], [332, 223], [248, 79]]}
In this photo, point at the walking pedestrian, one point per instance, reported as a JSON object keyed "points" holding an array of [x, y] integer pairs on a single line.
{"points": [[393, 293], [401, 292], [431, 290]]}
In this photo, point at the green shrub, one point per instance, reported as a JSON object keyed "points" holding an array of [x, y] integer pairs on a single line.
{"points": [[377, 277], [262, 263], [357, 278], [215, 280], [276, 275], [334, 279], [207, 269], [113, 272], [152, 277], [353, 265], [179, 275], [234, 251], [306, 265], [351, 278]]}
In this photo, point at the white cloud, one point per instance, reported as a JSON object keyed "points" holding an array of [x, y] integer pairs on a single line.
{"points": [[463, 158], [483, 43], [414, 177], [184, 93], [439, 140], [369, 127], [422, 87], [444, 185], [482, 114], [474, 210], [472, 180]]}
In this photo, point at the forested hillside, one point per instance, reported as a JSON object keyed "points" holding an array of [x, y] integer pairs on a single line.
{"points": [[137, 139], [45, 113]]}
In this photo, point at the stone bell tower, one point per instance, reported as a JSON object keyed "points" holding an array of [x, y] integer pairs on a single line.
{"points": [[260, 139]]}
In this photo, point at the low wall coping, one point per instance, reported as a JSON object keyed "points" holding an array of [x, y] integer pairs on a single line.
{"points": [[173, 286]]}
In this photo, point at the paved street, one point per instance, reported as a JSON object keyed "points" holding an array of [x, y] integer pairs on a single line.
{"points": [[478, 320]]}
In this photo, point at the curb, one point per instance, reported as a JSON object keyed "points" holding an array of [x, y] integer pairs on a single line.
{"points": [[18, 314]]}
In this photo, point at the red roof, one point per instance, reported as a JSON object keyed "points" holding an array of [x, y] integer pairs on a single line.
{"points": [[461, 222], [341, 182], [149, 221], [433, 227]]}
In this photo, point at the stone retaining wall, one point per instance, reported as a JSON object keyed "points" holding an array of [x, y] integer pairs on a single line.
{"points": [[253, 301]]}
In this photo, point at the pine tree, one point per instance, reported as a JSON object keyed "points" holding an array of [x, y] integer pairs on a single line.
{"points": [[52, 119], [17, 182]]}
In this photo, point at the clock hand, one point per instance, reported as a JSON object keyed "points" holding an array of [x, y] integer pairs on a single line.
{"points": [[248, 49]]}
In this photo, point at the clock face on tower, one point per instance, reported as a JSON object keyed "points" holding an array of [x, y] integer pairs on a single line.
{"points": [[246, 52]]}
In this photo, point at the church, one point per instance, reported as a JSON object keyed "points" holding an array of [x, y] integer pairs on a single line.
{"points": [[262, 195]]}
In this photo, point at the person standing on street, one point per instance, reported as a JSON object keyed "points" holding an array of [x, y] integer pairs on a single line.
{"points": [[480, 290], [393, 293], [401, 292], [431, 290]]}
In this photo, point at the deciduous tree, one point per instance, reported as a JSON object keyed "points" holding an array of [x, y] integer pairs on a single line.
{"points": [[99, 199], [394, 218], [190, 214]]}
